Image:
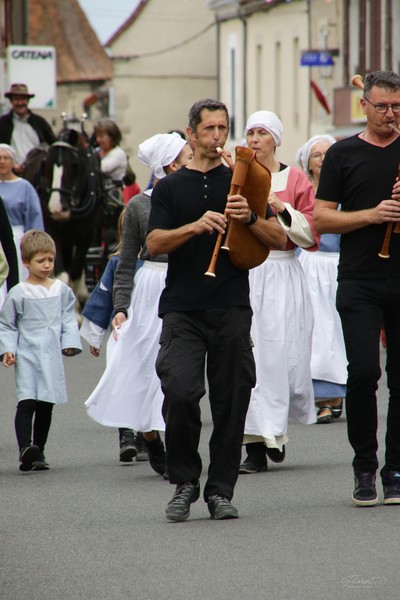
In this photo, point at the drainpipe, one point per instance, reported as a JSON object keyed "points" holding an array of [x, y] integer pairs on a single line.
{"points": [[218, 58], [25, 21], [244, 86]]}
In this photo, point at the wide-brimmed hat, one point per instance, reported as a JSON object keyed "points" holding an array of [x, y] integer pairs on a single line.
{"points": [[18, 89]]}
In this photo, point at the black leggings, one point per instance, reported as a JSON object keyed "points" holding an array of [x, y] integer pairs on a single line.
{"points": [[38, 412]]}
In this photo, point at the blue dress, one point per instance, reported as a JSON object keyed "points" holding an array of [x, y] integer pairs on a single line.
{"points": [[36, 324], [22, 204]]}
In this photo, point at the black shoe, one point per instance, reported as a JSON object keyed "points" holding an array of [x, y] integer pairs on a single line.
{"points": [[327, 418], [337, 410], [221, 508], [41, 464], [141, 452], [365, 491], [256, 459], [276, 455], [178, 508], [28, 455], [127, 447], [391, 487], [157, 455]]}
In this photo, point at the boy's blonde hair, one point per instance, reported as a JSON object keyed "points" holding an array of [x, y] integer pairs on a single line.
{"points": [[35, 241]]}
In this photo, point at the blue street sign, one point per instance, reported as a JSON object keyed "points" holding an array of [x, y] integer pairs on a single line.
{"points": [[316, 58]]}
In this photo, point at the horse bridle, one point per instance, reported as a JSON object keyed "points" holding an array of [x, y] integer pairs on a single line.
{"points": [[79, 208], [74, 150]]}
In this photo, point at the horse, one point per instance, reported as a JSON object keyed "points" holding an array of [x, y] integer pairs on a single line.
{"points": [[67, 177]]}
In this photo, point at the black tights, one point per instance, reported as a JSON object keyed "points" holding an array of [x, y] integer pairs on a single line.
{"points": [[38, 412]]}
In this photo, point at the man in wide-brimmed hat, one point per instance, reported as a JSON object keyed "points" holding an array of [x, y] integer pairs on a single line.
{"points": [[21, 128]]}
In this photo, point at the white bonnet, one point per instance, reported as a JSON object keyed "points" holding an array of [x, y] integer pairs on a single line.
{"points": [[160, 151], [10, 151], [303, 153], [268, 120]]}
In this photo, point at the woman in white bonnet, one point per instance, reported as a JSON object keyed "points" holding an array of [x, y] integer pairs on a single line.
{"points": [[329, 375], [20, 200], [128, 395], [282, 319]]}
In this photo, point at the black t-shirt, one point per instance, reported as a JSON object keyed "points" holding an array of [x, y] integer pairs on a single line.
{"points": [[359, 175], [181, 198]]}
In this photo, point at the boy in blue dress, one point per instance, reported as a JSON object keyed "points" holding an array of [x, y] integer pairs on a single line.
{"points": [[37, 326]]}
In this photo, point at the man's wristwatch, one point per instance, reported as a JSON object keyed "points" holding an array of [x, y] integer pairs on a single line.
{"points": [[253, 218]]}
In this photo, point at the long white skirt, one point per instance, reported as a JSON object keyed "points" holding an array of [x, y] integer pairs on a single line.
{"points": [[281, 331], [129, 392], [328, 359]]}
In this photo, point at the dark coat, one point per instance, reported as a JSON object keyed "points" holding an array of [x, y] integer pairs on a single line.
{"points": [[39, 124]]}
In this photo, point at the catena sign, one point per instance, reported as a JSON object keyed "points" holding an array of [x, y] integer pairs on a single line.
{"points": [[36, 67]]}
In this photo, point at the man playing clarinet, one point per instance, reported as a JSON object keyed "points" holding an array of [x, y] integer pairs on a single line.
{"points": [[362, 175], [206, 321]]}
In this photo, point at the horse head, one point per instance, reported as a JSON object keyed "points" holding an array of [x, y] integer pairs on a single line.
{"points": [[73, 176]]}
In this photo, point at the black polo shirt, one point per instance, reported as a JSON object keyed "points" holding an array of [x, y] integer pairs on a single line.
{"points": [[181, 198]]}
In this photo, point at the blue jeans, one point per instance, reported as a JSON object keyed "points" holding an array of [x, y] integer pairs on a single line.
{"points": [[364, 307]]}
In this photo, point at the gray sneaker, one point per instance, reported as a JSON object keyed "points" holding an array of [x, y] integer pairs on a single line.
{"points": [[178, 508], [221, 508]]}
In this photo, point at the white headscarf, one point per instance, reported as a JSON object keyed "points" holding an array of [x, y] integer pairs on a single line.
{"points": [[160, 150], [10, 151], [267, 120], [303, 153]]}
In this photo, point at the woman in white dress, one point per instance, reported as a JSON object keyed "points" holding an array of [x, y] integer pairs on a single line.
{"points": [[328, 360], [114, 162], [282, 311], [113, 158], [129, 393]]}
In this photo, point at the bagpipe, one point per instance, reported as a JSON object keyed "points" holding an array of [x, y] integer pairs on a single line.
{"points": [[253, 181]]}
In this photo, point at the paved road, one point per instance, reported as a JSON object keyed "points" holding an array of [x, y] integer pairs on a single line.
{"points": [[93, 529]]}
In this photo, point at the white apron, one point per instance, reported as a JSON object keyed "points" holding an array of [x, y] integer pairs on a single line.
{"points": [[281, 332], [328, 359], [129, 392]]}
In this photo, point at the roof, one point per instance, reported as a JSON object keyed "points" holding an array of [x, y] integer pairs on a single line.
{"points": [[64, 25], [128, 22]]}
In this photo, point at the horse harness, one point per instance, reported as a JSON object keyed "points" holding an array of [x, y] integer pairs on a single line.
{"points": [[80, 207]]}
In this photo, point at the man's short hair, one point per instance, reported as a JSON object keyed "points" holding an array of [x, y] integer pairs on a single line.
{"points": [[208, 104], [384, 79], [35, 241]]}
